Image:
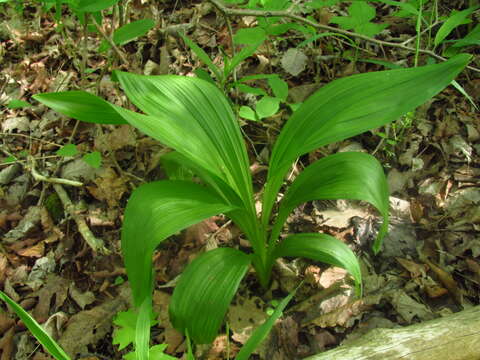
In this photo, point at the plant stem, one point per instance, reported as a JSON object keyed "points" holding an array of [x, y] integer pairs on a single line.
{"points": [[110, 42], [418, 28]]}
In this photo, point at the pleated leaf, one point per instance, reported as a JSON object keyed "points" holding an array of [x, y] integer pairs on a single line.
{"points": [[142, 330], [36, 329], [348, 175], [81, 105], [154, 212], [193, 117], [350, 106], [323, 248], [204, 292]]}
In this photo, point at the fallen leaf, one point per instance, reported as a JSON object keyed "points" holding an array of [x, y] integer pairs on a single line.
{"points": [[36, 251], [81, 298], [448, 281], [110, 187], [7, 345], [28, 224], [120, 137], [244, 316], [407, 307], [88, 327], [415, 270], [294, 61], [55, 288]]}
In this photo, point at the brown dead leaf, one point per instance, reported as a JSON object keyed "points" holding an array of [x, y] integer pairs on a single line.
{"points": [[36, 251], [5, 322], [218, 350], [119, 138], [244, 316], [173, 338], [331, 276], [321, 340], [7, 345], [3, 268], [198, 233], [87, 327], [415, 270], [110, 187], [473, 266], [55, 287], [448, 281], [287, 335], [341, 315]]}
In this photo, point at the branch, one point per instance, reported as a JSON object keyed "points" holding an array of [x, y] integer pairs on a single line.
{"points": [[95, 243], [288, 14]]}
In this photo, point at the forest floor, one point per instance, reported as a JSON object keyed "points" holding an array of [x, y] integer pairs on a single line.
{"points": [[430, 262]]}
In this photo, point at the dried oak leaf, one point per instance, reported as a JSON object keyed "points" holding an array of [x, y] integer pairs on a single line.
{"points": [[110, 187], [55, 287], [89, 326]]}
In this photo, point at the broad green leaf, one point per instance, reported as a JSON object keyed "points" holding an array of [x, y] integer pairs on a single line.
{"points": [[17, 104], [203, 56], [267, 106], [251, 90], [347, 175], [359, 20], [460, 88], [350, 106], [175, 169], [407, 7], [324, 248], [95, 5], [36, 329], [67, 150], [451, 23], [246, 52], [324, 34], [240, 216], [127, 323], [204, 292], [142, 329], [262, 331], [279, 88], [129, 32], [250, 36], [204, 75], [247, 112], [154, 212], [317, 4], [156, 352], [472, 38], [94, 159], [194, 118], [81, 105]]}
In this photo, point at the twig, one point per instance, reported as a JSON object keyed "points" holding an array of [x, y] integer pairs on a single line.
{"points": [[288, 14], [110, 42], [95, 243], [39, 177]]}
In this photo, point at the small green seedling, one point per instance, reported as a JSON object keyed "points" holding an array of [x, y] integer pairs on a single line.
{"points": [[194, 118], [94, 158]]}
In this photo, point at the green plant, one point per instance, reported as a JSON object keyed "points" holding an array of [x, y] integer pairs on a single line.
{"points": [[195, 119]]}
